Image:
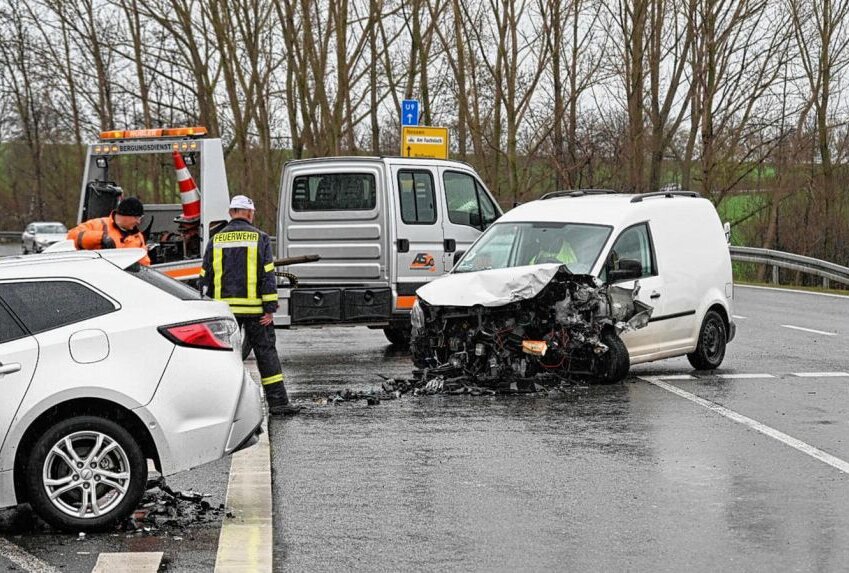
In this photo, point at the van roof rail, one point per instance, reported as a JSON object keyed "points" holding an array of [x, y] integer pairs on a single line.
{"points": [[639, 198], [577, 193]]}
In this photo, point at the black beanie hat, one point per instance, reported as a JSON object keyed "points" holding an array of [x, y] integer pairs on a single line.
{"points": [[131, 206]]}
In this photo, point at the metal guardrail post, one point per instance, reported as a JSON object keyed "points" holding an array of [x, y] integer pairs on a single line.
{"points": [[775, 275]]}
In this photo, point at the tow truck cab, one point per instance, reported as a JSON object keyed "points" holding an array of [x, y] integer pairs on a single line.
{"points": [[112, 165], [383, 226]]}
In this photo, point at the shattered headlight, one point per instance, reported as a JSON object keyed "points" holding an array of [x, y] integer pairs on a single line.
{"points": [[417, 317]]}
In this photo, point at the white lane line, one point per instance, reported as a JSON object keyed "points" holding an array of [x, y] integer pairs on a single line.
{"points": [[785, 439], [24, 560], [677, 377], [737, 316], [779, 289], [135, 562], [245, 543], [809, 330], [744, 376], [821, 374]]}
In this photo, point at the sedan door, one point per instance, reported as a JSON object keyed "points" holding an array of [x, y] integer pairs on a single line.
{"points": [[18, 359]]}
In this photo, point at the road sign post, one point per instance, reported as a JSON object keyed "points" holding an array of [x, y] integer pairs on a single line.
{"points": [[429, 142], [410, 112]]}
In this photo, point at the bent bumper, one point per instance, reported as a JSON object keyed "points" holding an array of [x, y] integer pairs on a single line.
{"points": [[247, 424]]}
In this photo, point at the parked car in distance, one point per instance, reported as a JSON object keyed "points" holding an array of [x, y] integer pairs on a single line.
{"points": [[41, 234], [671, 243], [104, 365]]}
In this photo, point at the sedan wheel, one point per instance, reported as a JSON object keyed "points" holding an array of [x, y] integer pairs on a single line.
{"points": [[86, 473]]}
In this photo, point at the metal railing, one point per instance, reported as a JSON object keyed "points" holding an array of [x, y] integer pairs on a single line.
{"points": [[781, 260], [10, 235]]}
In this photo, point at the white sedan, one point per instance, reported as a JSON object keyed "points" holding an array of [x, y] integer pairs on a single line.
{"points": [[104, 365]]}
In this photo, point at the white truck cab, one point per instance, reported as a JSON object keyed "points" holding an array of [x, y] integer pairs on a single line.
{"points": [[383, 226], [671, 243]]}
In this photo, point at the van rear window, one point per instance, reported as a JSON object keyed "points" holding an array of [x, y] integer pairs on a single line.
{"points": [[334, 192]]}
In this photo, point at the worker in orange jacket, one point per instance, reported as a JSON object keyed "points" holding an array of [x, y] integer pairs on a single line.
{"points": [[119, 230]]}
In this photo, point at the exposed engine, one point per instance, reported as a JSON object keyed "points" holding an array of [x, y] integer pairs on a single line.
{"points": [[570, 329]]}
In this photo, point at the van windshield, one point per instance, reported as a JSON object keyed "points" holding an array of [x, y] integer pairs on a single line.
{"points": [[506, 245]]}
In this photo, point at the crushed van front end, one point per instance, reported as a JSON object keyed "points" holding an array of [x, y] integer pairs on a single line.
{"points": [[543, 321]]}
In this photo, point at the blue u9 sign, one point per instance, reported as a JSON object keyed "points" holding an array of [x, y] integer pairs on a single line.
{"points": [[410, 112]]}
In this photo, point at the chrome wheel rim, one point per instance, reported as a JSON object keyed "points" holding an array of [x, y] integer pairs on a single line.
{"points": [[86, 474]]}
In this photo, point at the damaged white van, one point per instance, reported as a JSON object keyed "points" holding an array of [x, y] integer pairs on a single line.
{"points": [[583, 283]]}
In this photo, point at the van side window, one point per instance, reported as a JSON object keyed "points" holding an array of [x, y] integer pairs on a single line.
{"points": [[468, 203], [635, 244], [334, 192], [418, 201], [9, 329]]}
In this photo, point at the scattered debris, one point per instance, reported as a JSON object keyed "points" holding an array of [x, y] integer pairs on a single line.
{"points": [[165, 510]]}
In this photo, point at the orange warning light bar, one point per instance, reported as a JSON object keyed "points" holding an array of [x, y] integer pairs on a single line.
{"points": [[196, 131]]}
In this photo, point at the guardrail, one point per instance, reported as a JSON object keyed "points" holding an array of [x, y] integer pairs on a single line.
{"points": [[781, 260], [9, 235]]}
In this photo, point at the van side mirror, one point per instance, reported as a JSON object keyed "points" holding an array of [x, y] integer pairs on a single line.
{"points": [[628, 269], [475, 220], [457, 256]]}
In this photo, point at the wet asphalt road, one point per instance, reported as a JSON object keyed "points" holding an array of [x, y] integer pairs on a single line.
{"points": [[602, 478]]}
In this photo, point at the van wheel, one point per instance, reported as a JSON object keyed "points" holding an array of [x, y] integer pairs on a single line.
{"points": [[616, 362], [397, 336], [710, 350], [85, 473]]}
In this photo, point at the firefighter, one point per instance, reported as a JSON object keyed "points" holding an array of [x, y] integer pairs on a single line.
{"points": [[238, 268], [119, 230]]}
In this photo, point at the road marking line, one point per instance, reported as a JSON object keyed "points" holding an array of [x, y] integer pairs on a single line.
{"points": [[24, 560], [131, 562], [779, 289], [821, 374], [809, 330], [737, 316], [677, 377], [785, 439], [245, 543], [744, 376]]}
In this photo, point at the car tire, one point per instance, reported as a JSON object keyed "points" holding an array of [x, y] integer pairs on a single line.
{"points": [[616, 362], [117, 474], [397, 336], [710, 351]]}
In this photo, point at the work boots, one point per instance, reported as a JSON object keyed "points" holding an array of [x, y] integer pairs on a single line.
{"points": [[278, 401]]}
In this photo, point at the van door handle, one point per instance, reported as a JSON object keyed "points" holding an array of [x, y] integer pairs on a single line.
{"points": [[10, 368], [450, 245], [403, 245], [655, 295]]}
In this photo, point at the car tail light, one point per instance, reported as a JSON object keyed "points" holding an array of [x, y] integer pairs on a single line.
{"points": [[212, 334]]}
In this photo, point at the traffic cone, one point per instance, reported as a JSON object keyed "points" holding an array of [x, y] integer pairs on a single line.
{"points": [[189, 194]]}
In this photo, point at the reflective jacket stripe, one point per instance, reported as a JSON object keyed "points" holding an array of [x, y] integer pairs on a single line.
{"points": [[269, 297], [105, 234], [252, 276], [243, 301], [269, 267], [79, 241], [246, 310], [217, 255]]}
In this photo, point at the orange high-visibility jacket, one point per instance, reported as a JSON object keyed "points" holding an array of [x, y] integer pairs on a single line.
{"points": [[103, 233]]}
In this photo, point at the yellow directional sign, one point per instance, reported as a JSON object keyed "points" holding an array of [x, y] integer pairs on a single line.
{"points": [[430, 142]]}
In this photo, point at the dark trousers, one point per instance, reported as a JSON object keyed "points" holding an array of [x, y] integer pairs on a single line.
{"points": [[264, 343]]}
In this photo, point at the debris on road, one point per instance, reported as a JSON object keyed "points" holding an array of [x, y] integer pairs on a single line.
{"points": [[165, 510]]}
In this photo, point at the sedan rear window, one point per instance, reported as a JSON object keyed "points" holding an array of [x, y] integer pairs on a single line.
{"points": [[164, 282], [45, 305]]}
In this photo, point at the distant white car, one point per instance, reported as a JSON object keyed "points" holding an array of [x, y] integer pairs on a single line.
{"points": [[105, 364], [39, 235]]}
